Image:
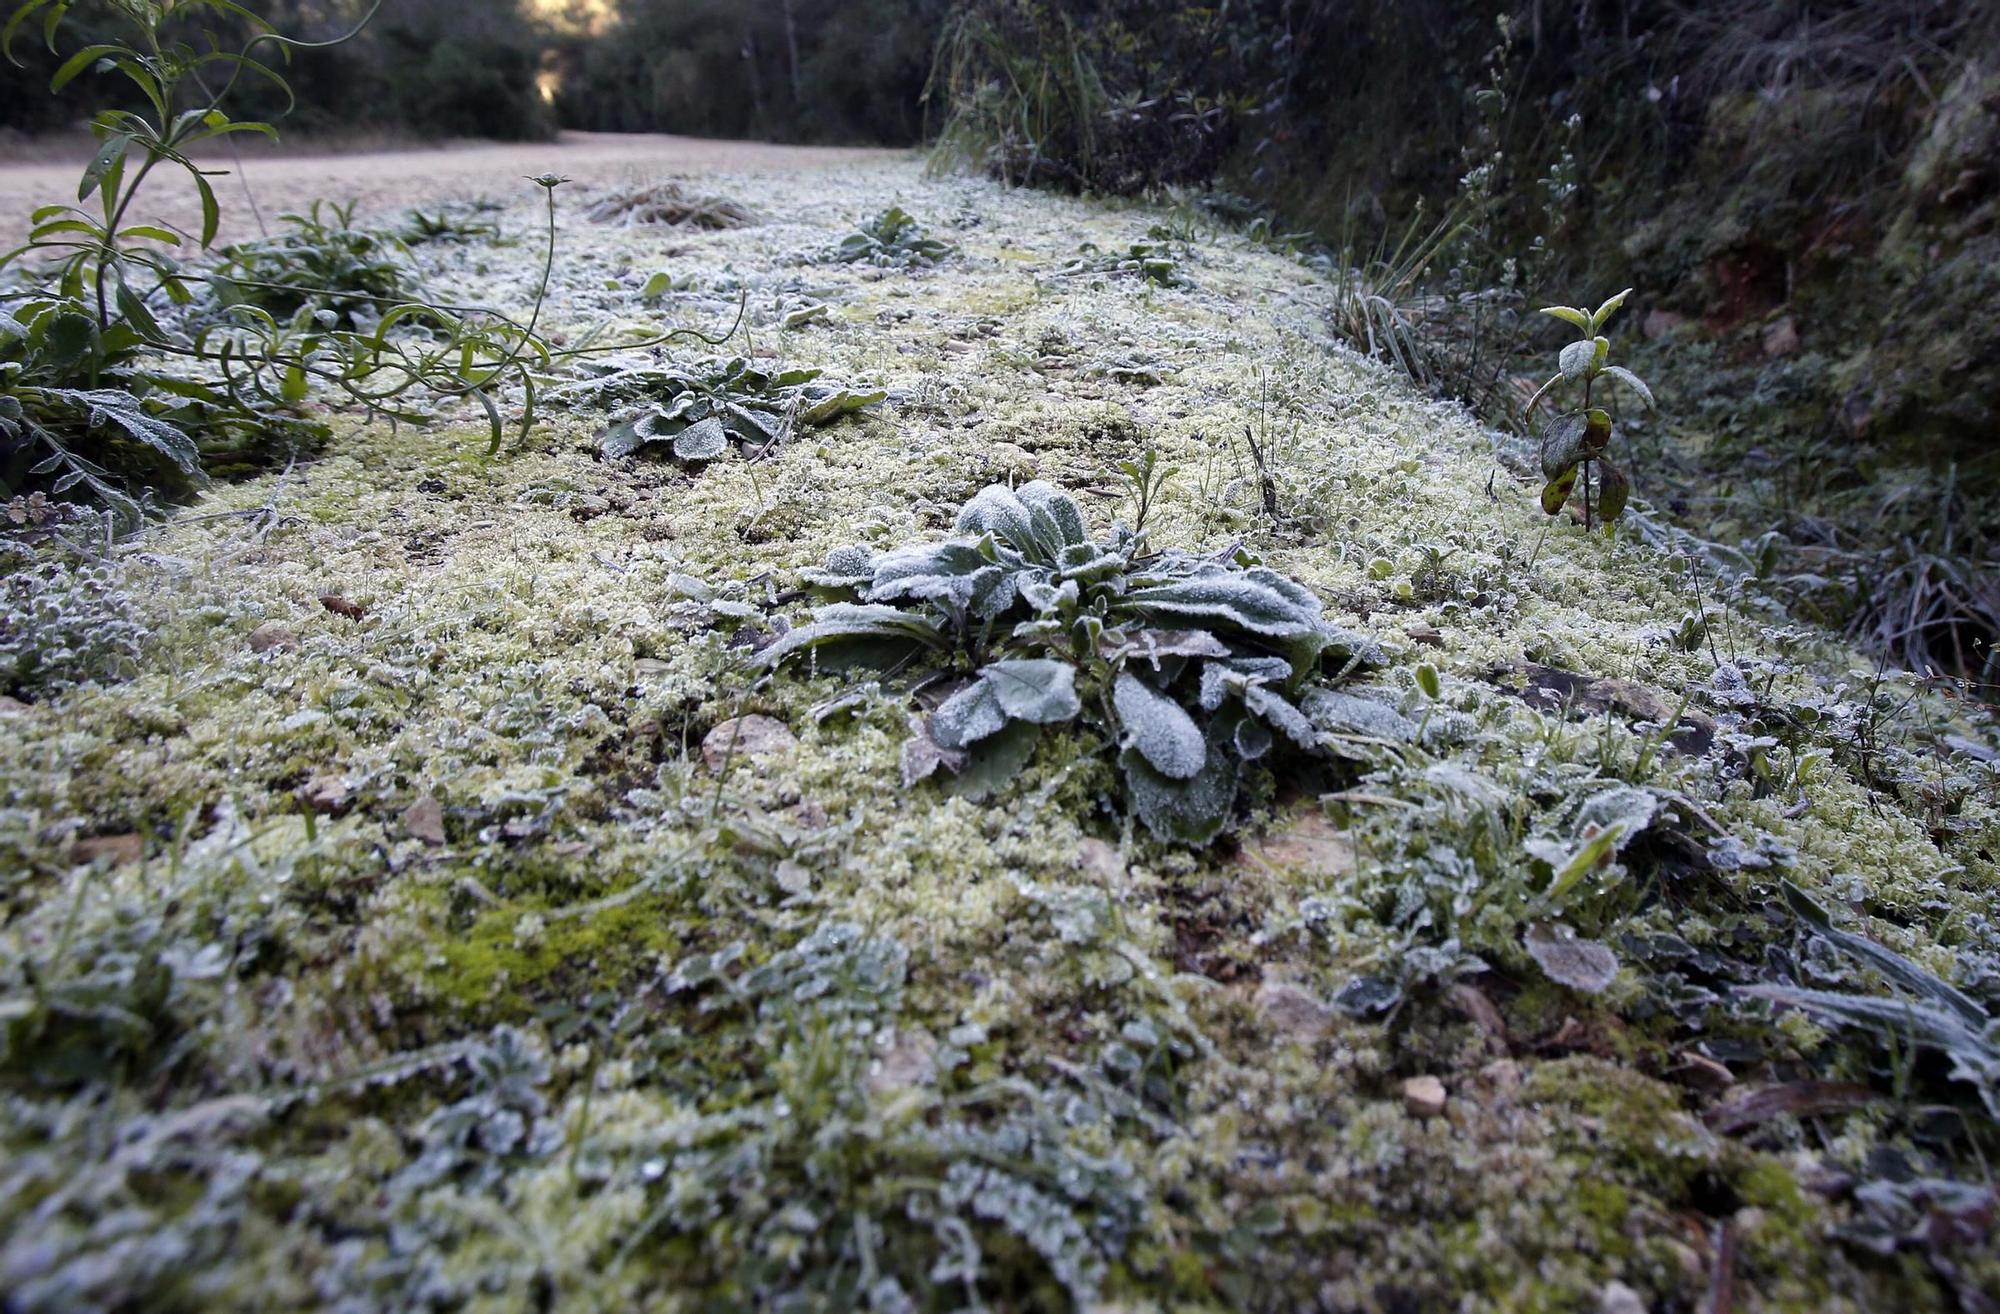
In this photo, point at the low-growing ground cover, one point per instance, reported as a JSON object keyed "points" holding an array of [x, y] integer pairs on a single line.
{"points": [[420, 894]]}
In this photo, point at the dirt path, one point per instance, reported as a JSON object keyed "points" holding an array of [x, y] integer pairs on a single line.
{"points": [[389, 179]]}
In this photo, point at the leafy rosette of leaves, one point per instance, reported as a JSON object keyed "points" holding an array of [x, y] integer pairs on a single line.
{"points": [[1575, 441], [893, 237], [694, 412], [1152, 261], [1193, 667]]}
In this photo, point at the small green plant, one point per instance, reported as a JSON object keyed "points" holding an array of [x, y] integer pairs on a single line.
{"points": [[893, 237], [1148, 479], [694, 412], [67, 617], [1574, 442], [1153, 261], [448, 225], [1193, 667], [85, 382], [324, 264]]}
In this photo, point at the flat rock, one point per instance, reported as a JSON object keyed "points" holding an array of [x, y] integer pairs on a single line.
{"points": [[424, 820], [1423, 1097], [272, 635], [1309, 845], [745, 737], [327, 793], [1293, 1011]]}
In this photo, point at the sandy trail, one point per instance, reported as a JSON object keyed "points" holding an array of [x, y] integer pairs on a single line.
{"points": [[384, 180]]}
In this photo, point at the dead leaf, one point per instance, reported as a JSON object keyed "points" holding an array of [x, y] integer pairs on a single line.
{"points": [[326, 794], [341, 606], [1472, 1002], [1582, 965], [1798, 1099], [120, 849]]}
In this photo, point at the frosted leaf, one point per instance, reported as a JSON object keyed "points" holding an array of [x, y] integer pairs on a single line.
{"points": [[1046, 597], [703, 440], [852, 566], [923, 755], [1252, 739], [1153, 646], [1190, 811], [1350, 714], [1058, 506], [954, 569], [865, 625], [1282, 716], [994, 761], [1367, 996], [1582, 965], [1577, 358], [1627, 807], [1230, 597], [1562, 444], [995, 510], [1038, 689], [1220, 679], [1158, 727], [971, 714], [109, 407]]}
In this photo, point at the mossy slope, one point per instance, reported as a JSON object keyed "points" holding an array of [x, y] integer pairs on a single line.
{"points": [[607, 1029]]}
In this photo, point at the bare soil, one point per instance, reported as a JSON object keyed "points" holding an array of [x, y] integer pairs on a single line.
{"points": [[282, 180]]}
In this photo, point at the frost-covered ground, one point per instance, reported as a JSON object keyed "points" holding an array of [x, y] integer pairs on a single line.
{"points": [[410, 952]]}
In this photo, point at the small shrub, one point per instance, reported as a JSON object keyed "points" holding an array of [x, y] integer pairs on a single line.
{"points": [[1195, 668], [63, 623], [80, 409], [448, 225], [1574, 442]]}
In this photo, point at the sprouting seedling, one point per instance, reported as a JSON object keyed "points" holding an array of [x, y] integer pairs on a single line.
{"points": [[1432, 688], [1574, 442], [1148, 478]]}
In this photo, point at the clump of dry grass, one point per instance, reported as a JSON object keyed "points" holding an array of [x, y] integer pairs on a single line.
{"points": [[672, 204]]}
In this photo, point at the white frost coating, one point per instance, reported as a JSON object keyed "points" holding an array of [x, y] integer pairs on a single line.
{"points": [[1156, 725], [1038, 689], [1249, 603], [1627, 807], [969, 715]]}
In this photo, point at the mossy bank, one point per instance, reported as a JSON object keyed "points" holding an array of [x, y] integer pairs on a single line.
{"points": [[380, 935]]}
